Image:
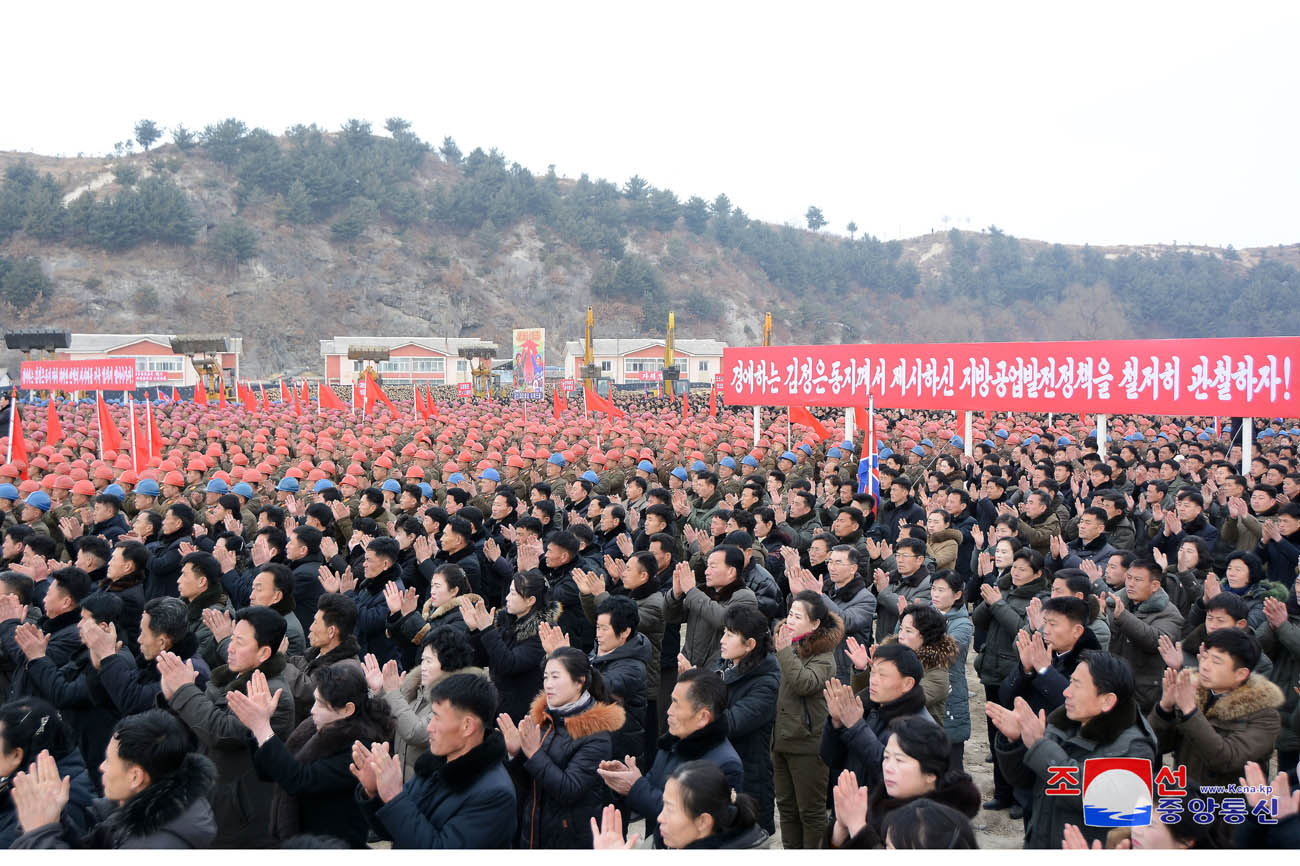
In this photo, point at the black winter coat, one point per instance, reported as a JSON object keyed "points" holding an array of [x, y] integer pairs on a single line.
{"points": [[312, 781], [306, 587], [750, 715], [512, 652], [467, 803], [65, 643], [172, 813], [133, 685], [76, 817], [709, 743], [861, 748], [581, 631], [165, 566], [564, 791], [372, 615], [83, 705], [624, 673]]}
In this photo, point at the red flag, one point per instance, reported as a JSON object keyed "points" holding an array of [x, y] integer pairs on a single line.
{"points": [[200, 393], [380, 396], [961, 423], [139, 444], [221, 395], [109, 436], [53, 429], [156, 444], [249, 399], [284, 393], [1083, 420], [428, 401], [800, 415], [419, 405], [175, 397], [597, 403], [686, 405], [17, 444], [266, 404], [297, 409], [306, 395], [330, 400], [713, 401]]}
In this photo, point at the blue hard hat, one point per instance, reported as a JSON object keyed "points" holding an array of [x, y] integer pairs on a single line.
{"points": [[1001, 433], [748, 460], [115, 491], [38, 499], [678, 473], [846, 445], [426, 489], [885, 452], [391, 485], [216, 485], [147, 487], [955, 442], [556, 458], [1294, 431], [1267, 433], [834, 452], [322, 484], [699, 466], [8, 491], [788, 455], [988, 443], [927, 443], [243, 489], [288, 483], [591, 476], [646, 466], [455, 478], [1064, 440], [918, 450], [490, 474], [805, 448], [728, 462], [1204, 437]]}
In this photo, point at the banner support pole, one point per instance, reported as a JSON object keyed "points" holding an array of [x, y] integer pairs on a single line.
{"points": [[1247, 444], [1101, 435], [967, 436]]}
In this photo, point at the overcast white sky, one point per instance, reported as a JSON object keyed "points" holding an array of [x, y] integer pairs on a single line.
{"points": [[1129, 122]]}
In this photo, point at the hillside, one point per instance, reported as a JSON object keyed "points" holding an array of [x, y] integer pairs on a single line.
{"points": [[287, 239]]}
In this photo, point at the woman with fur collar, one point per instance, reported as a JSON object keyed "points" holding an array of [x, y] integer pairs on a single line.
{"points": [[156, 788], [560, 745], [511, 641], [925, 630], [310, 768], [916, 765], [805, 645]]}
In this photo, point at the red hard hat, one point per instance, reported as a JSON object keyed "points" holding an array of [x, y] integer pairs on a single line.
{"points": [[174, 478]]}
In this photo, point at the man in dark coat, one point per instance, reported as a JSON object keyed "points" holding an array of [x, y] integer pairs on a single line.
{"points": [[622, 656], [380, 568], [305, 559], [1099, 719], [241, 799], [132, 684], [697, 731], [165, 566], [68, 587], [461, 796], [857, 726]]}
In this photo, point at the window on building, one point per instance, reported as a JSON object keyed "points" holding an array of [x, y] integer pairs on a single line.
{"points": [[703, 367], [462, 366], [429, 365], [157, 364], [606, 366], [642, 365]]}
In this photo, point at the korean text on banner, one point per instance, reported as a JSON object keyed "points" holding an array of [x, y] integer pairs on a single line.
{"points": [[465, 389], [1222, 376], [111, 374]]}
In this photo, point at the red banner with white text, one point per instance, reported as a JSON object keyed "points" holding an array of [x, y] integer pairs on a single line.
{"points": [[1221, 376], [111, 374]]}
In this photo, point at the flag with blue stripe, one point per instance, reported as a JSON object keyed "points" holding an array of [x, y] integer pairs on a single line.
{"points": [[869, 475]]}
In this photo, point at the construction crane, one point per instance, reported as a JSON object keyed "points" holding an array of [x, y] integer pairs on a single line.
{"points": [[590, 375], [204, 352], [670, 370]]}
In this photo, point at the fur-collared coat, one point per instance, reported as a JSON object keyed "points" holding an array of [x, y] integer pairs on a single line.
{"points": [[956, 790], [1215, 744], [409, 630], [563, 791], [313, 785], [806, 665], [514, 655], [173, 812]]}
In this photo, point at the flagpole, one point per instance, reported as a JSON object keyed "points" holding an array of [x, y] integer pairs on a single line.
{"points": [[99, 419], [13, 413], [135, 454]]}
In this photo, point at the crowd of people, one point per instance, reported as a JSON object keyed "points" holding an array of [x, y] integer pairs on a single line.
{"points": [[308, 628]]}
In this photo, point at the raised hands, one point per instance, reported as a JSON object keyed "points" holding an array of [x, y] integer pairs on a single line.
{"points": [[552, 637], [31, 640], [1004, 720], [1034, 654], [683, 579], [39, 794], [378, 772], [423, 546], [1275, 612], [257, 707], [1211, 587], [783, 637], [843, 706], [860, 655], [625, 545], [1034, 613], [403, 601], [881, 579], [528, 554], [174, 673], [1171, 653], [100, 642], [619, 776], [990, 593], [1288, 803], [476, 615], [510, 733], [1161, 558], [589, 582], [850, 808], [1092, 569], [608, 836], [978, 535], [683, 663], [329, 581], [219, 622], [615, 567], [1073, 840]]}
